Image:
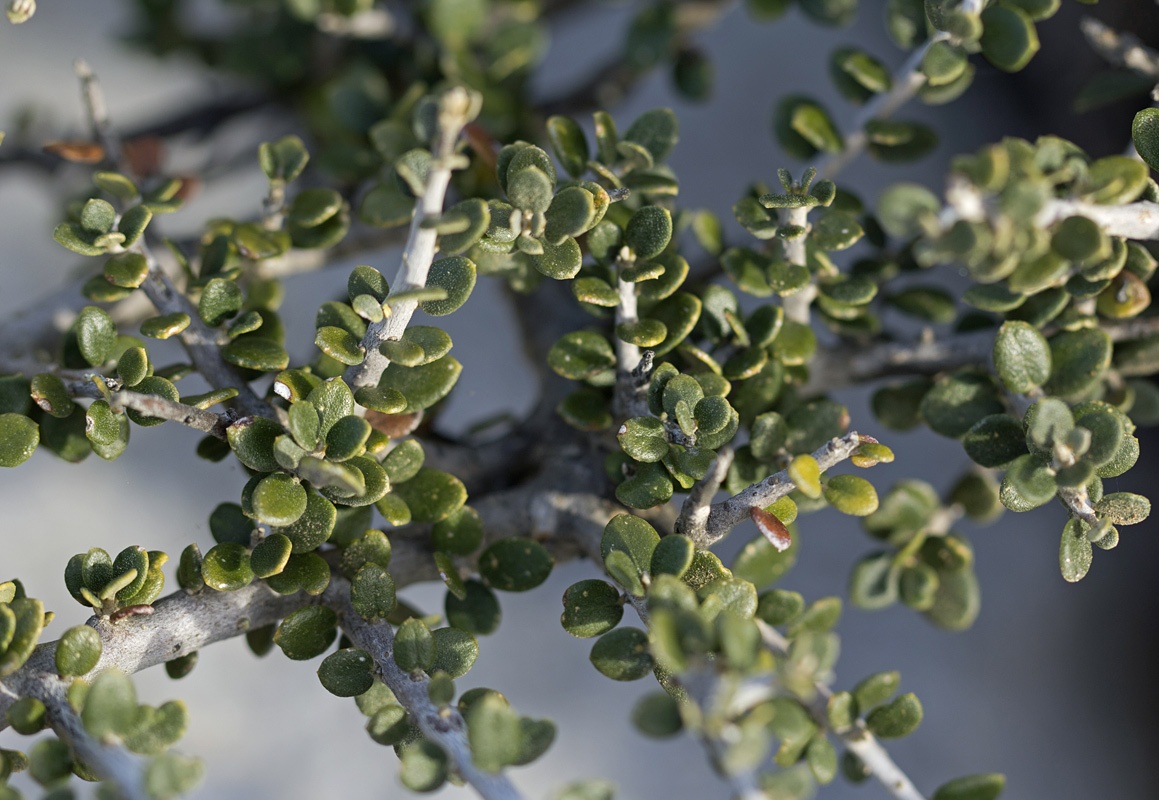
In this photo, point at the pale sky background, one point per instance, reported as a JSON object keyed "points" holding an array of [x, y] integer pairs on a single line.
{"points": [[1051, 685]]}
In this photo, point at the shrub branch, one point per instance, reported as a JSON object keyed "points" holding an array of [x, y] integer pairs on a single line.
{"points": [[455, 108], [725, 515]]}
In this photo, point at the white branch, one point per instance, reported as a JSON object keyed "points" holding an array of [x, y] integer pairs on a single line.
{"points": [[455, 111], [694, 512], [1120, 49], [856, 738], [112, 763], [797, 305], [727, 514], [443, 726]]}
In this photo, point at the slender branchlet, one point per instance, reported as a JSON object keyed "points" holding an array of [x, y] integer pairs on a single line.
{"points": [[457, 107], [857, 738], [726, 514]]}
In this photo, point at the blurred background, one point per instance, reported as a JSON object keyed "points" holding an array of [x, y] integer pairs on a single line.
{"points": [[1053, 685]]}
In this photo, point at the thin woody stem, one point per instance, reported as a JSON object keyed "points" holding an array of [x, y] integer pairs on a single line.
{"points": [[857, 737], [455, 111], [725, 515]]}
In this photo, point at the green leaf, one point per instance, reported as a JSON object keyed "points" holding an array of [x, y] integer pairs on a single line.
{"points": [[762, 563], [972, 787], [455, 275], [925, 302], [312, 207], [252, 440], [347, 673], [97, 217], [257, 353], [850, 494], [226, 567], [127, 270], [347, 438], [372, 592], [404, 461], [957, 602], [649, 487], [836, 230], [166, 326], [1022, 357], [658, 715], [220, 300], [896, 719], [1124, 508], [591, 608], [78, 651], [995, 440], [560, 262], [902, 208], [1074, 551], [307, 632], [657, 131], [873, 583], [25, 623], [515, 564], [876, 689], [367, 280], [414, 646], [1145, 135], [284, 159], [432, 495], [858, 75], [96, 335], [270, 556], [478, 613], [455, 652], [278, 499], [1009, 39], [956, 402], [672, 556], [425, 385], [1079, 359], [19, 436], [572, 211], [303, 572], [644, 439], [383, 400], [340, 345], [569, 144], [372, 547], [460, 533], [1079, 239], [631, 535], [494, 733], [581, 354], [623, 654], [110, 706], [648, 231], [423, 766], [313, 526], [803, 128]]}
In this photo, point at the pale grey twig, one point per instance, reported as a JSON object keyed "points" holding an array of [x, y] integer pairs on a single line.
{"points": [[857, 737], [444, 726], [1120, 49], [163, 408], [694, 512], [456, 108], [112, 763], [797, 305], [729, 513], [200, 342]]}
